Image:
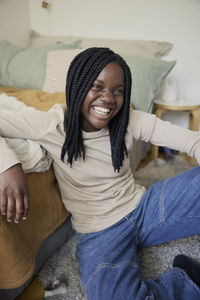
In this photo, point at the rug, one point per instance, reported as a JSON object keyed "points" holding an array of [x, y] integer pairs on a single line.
{"points": [[60, 273]]}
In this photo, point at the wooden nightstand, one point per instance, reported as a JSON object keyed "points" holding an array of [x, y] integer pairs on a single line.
{"points": [[194, 116]]}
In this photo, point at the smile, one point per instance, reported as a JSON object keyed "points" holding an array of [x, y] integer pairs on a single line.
{"points": [[101, 110]]}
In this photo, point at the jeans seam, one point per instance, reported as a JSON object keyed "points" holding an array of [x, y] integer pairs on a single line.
{"points": [[134, 227], [106, 265], [170, 221], [162, 210]]}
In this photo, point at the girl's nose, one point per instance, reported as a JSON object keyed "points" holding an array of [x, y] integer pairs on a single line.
{"points": [[107, 96]]}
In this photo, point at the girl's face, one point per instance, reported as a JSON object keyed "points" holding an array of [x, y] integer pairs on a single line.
{"points": [[105, 98]]}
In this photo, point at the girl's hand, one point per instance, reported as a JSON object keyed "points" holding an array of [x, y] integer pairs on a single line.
{"points": [[14, 195]]}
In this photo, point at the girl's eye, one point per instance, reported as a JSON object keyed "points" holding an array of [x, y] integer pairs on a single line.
{"points": [[96, 87], [118, 92]]}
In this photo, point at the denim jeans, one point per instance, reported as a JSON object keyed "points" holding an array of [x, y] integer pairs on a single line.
{"points": [[108, 261]]}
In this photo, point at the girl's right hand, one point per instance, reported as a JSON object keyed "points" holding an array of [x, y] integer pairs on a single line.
{"points": [[14, 194]]}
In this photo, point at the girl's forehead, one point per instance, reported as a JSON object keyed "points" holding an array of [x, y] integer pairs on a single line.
{"points": [[112, 71]]}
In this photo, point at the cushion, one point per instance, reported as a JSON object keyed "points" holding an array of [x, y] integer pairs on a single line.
{"points": [[7, 52], [133, 47], [147, 74], [25, 68], [56, 69]]}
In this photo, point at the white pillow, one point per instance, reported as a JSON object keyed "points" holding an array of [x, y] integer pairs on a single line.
{"points": [[56, 69], [132, 47]]}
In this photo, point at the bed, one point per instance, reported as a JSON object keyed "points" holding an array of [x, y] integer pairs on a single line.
{"points": [[36, 76]]}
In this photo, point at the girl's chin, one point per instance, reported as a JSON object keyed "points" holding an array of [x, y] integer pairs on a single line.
{"points": [[95, 126], [100, 125], [94, 122]]}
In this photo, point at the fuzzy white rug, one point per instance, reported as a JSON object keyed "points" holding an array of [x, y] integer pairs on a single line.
{"points": [[61, 274]]}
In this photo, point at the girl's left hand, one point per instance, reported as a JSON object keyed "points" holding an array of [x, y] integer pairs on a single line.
{"points": [[14, 195]]}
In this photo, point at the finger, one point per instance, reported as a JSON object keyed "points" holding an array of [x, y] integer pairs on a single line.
{"points": [[3, 203], [10, 208], [19, 209], [26, 206]]}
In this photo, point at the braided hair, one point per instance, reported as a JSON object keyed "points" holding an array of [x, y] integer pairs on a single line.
{"points": [[83, 71]]}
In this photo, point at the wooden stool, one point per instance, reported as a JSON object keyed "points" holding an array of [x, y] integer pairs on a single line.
{"points": [[194, 116]]}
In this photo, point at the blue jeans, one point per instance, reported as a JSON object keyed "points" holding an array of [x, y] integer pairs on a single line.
{"points": [[108, 260]]}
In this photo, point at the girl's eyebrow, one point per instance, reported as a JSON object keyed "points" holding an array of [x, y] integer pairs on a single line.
{"points": [[98, 80], [101, 81]]}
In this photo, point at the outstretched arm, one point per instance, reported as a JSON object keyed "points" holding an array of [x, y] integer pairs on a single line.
{"points": [[14, 195], [149, 128]]}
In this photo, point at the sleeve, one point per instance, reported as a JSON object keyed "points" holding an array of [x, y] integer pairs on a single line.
{"points": [[26, 124], [149, 128], [8, 156]]}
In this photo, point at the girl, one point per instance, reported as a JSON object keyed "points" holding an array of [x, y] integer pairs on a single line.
{"points": [[112, 216]]}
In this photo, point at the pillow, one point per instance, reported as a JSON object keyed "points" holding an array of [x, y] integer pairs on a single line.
{"points": [[7, 52], [147, 75], [132, 47], [25, 68], [56, 69]]}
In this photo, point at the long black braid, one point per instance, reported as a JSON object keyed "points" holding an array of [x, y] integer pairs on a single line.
{"points": [[83, 71]]}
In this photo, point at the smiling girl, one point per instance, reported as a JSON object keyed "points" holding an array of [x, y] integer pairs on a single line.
{"points": [[91, 143], [105, 98]]}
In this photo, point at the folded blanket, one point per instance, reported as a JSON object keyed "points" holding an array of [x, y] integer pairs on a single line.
{"points": [[39, 99], [32, 156]]}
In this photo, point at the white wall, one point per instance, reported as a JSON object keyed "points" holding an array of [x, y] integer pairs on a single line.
{"points": [[15, 21]]}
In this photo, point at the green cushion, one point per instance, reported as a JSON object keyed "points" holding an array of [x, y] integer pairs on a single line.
{"points": [[147, 77], [7, 52], [25, 68]]}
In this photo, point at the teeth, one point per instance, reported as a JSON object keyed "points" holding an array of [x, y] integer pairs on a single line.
{"points": [[102, 110]]}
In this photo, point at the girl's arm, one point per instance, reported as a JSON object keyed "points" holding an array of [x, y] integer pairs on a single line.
{"points": [[26, 125], [14, 195], [149, 128], [29, 124]]}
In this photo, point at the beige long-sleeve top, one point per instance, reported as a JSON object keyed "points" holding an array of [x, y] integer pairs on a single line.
{"points": [[96, 196]]}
